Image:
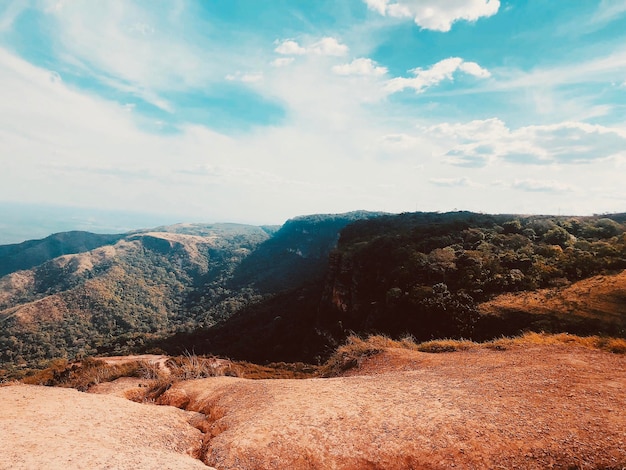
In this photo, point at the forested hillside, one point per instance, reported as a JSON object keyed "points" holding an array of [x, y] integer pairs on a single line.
{"points": [[113, 298], [35, 252], [295, 293], [138, 287], [427, 275]]}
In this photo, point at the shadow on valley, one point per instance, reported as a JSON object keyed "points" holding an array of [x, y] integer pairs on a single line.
{"points": [[428, 275]]}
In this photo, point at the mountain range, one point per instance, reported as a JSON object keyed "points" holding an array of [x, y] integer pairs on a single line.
{"points": [[293, 293]]}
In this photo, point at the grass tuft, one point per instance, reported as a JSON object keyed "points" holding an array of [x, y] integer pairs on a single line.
{"points": [[352, 353], [82, 375], [356, 349]]}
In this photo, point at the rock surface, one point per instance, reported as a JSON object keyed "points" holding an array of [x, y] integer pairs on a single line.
{"points": [[527, 408], [57, 428]]}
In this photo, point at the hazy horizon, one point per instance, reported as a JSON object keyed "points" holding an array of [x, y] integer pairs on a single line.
{"points": [[20, 222]]}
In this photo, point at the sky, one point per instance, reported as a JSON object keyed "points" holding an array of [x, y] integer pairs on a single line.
{"points": [[258, 111]]}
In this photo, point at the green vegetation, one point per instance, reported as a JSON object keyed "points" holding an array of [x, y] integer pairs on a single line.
{"points": [[114, 299], [424, 274], [296, 293], [148, 285], [35, 252]]}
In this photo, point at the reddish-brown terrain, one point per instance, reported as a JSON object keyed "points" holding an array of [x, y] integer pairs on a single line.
{"points": [[601, 298], [59, 428], [528, 407]]}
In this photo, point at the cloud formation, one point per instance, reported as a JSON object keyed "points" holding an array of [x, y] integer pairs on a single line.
{"points": [[327, 46], [480, 142], [229, 119], [244, 77], [547, 186], [452, 182], [442, 70], [362, 66], [436, 15], [290, 47]]}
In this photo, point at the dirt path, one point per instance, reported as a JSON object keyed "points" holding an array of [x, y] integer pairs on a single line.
{"points": [[55, 428], [544, 407]]}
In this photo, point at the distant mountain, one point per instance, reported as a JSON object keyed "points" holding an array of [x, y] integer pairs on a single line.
{"points": [[113, 294], [112, 298], [24, 221], [296, 254], [35, 252]]}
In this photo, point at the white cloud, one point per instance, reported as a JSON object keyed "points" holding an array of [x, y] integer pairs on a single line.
{"points": [[603, 69], [139, 50], [363, 67], [473, 130], [472, 68], [442, 70], [453, 182], [229, 174], [290, 47], [244, 77], [534, 185], [400, 142], [478, 143], [142, 28], [437, 15], [10, 12], [282, 61], [608, 11], [327, 46], [329, 154], [76, 149]]}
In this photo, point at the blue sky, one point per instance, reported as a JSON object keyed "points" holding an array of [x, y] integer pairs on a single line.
{"points": [[257, 111]]}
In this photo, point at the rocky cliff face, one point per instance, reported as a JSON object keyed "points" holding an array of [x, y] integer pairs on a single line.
{"points": [[427, 274]]}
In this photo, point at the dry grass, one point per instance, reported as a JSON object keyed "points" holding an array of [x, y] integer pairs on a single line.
{"points": [[356, 349], [276, 370], [81, 375], [186, 367], [348, 356], [613, 345], [91, 371], [190, 366]]}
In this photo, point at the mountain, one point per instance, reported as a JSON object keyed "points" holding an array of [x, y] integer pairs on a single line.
{"points": [[117, 293], [296, 292], [110, 299], [296, 254], [35, 252], [428, 275]]}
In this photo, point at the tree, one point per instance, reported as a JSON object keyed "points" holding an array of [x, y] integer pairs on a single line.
{"points": [[557, 236]]}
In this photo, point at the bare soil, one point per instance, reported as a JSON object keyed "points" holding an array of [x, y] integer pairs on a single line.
{"points": [[58, 428], [533, 407], [599, 297]]}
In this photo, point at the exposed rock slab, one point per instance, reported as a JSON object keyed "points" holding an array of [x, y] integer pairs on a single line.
{"points": [[534, 408], [56, 428]]}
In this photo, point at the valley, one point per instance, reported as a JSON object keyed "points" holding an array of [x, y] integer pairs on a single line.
{"points": [[294, 293]]}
